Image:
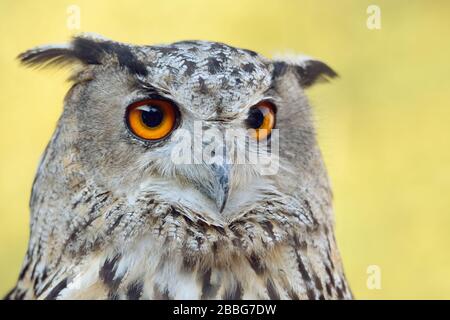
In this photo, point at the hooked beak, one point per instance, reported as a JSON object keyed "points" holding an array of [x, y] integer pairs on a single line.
{"points": [[222, 176]]}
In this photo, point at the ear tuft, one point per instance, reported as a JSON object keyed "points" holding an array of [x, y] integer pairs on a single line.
{"points": [[87, 50], [314, 71], [50, 55], [308, 70]]}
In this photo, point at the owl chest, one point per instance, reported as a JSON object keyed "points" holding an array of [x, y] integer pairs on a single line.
{"points": [[158, 275], [154, 270], [174, 277]]}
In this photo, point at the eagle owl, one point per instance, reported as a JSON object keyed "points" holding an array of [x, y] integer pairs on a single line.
{"points": [[115, 216]]}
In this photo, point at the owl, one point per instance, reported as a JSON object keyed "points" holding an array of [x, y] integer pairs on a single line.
{"points": [[188, 170]]}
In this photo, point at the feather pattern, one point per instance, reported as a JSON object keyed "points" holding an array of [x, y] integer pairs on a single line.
{"points": [[112, 218]]}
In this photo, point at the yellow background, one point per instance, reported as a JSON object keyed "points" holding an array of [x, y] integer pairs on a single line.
{"points": [[384, 126]]}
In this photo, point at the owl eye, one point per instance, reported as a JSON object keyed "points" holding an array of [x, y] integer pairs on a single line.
{"points": [[261, 117], [151, 119]]}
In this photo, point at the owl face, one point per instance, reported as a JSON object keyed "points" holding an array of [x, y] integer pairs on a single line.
{"points": [[195, 124]]}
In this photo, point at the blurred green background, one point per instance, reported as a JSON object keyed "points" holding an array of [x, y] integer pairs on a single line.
{"points": [[383, 126]]}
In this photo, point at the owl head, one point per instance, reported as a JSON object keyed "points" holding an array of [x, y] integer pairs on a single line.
{"points": [[204, 126]]}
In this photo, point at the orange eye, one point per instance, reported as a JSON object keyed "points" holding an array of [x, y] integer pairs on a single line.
{"points": [[261, 117], [151, 119]]}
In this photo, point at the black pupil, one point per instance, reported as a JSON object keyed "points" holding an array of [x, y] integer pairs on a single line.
{"points": [[152, 117], [255, 118]]}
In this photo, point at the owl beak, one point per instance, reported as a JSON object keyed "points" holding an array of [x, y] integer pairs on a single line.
{"points": [[222, 175]]}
